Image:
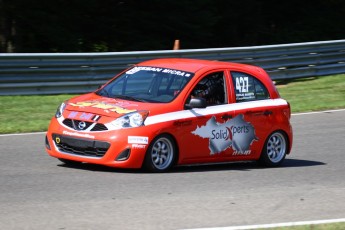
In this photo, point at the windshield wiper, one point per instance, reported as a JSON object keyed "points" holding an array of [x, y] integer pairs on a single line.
{"points": [[128, 98]]}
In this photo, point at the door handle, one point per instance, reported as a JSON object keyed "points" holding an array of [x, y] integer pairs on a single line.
{"points": [[267, 112], [257, 113]]}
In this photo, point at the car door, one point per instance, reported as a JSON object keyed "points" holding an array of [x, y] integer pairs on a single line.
{"points": [[206, 136], [253, 115]]}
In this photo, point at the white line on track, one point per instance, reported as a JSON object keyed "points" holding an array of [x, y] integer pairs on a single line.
{"points": [[295, 114], [317, 112], [289, 224]]}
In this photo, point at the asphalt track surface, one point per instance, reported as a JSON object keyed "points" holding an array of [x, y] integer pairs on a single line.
{"points": [[38, 192]]}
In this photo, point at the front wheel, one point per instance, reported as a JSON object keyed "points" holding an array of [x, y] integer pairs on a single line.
{"points": [[275, 149], [161, 154]]}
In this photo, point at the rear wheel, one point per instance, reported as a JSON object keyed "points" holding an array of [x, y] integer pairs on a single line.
{"points": [[161, 154], [275, 149]]}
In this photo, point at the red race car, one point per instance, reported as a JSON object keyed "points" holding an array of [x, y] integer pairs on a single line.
{"points": [[167, 112]]}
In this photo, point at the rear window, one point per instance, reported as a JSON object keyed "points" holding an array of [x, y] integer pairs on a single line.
{"points": [[248, 88]]}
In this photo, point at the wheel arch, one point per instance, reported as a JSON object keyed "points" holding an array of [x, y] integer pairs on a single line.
{"points": [[286, 135], [265, 159], [174, 142]]}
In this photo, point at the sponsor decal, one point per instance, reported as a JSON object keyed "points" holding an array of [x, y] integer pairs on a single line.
{"points": [[83, 116], [243, 91], [235, 133], [86, 116], [138, 146], [182, 123], [239, 153], [78, 134], [57, 140], [103, 105], [138, 140], [139, 68], [73, 115], [159, 70]]}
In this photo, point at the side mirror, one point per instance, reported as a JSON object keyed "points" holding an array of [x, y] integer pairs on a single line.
{"points": [[196, 103]]}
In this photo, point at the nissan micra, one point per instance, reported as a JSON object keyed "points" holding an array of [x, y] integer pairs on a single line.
{"points": [[166, 112]]}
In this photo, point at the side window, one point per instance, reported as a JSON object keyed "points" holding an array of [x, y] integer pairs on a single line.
{"points": [[212, 89], [248, 88]]}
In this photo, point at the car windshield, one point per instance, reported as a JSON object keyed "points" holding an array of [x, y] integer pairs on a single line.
{"points": [[147, 84]]}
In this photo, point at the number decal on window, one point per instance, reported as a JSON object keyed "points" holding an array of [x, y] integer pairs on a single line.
{"points": [[242, 84]]}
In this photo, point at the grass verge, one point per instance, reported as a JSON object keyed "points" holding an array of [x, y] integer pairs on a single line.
{"points": [[28, 113], [333, 226], [314, 94], [33, 113]]}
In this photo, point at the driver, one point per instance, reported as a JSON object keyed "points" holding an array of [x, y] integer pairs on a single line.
{"points": [[210, 88]]}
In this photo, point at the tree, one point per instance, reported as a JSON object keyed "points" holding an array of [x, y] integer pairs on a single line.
{"points": [[7, 27], [128, 25]]}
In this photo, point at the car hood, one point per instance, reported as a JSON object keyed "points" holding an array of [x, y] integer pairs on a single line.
{"points": [[112, 107]]}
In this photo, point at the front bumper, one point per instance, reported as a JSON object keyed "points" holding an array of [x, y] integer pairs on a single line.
{"points": [[110, 148], [80, 146]]}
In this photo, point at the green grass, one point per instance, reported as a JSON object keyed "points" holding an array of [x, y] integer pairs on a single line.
{"points": [[28, 113], [334, 226], [314, 94], [33, 113]]}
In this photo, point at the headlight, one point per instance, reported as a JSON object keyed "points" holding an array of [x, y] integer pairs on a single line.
{"points": [[130, 120], [60, 109]]}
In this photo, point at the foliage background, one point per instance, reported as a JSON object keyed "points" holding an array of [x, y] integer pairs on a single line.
{"points": [[128, 25]]}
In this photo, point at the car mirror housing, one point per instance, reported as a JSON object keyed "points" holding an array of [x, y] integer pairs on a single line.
{"points": [[196, 103]]}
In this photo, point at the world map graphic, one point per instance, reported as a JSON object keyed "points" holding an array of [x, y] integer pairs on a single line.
{"points": [[235, 133]]}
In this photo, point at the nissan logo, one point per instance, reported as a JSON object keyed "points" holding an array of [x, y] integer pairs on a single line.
{"points": [[81, 125]]}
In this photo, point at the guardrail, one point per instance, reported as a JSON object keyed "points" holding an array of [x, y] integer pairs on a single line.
{"points": [[57, 73]]}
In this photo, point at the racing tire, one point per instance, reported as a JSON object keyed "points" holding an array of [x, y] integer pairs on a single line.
{"points": [[70, 162], [275, 149], [161, 154]]}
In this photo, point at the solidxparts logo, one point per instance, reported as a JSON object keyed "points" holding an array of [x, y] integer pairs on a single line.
{"points": [[228, 133], [235, 133]]}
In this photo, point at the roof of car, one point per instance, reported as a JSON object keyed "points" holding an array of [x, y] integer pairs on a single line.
{"points": [[191, 65]]}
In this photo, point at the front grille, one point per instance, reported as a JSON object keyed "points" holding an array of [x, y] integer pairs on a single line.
{"points": [[69, 123], [74, 124], [80, 146], [99, 127]]}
